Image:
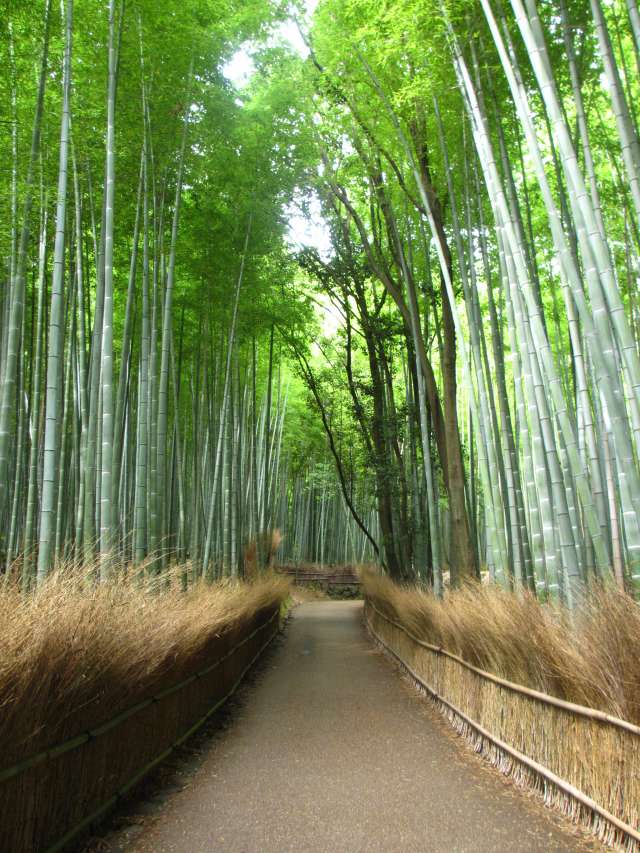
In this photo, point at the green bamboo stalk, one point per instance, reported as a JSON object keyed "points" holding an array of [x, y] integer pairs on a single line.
{"points": [[54, 388], [17, 296]]}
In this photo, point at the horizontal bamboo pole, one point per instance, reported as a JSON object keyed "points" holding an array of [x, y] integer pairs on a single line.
{"points": [[581, 710], [563, 785]]}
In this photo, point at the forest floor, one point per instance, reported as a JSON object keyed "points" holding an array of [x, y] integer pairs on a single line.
{"points": [[328, 749]]}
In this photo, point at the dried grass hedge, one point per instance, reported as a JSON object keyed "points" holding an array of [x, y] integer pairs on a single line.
{"points": [[590, 658], [77, 654]]}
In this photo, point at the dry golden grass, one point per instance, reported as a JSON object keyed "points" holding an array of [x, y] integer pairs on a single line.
{"points": [[75, 653], [590, 657]]}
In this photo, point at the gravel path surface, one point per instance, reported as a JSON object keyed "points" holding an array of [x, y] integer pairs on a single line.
{"points": [[334, 752]]}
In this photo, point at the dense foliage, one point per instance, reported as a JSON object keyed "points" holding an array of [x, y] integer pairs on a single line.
{"points": [[451, 383]]}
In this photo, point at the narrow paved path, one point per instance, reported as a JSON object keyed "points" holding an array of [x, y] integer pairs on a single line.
{"points": [[332, 752]]}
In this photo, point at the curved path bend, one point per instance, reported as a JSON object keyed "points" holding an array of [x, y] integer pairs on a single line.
{"points": [[332, 752]]}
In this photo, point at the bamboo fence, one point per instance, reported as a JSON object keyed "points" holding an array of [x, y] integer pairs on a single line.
{"points": [[582, 761], [49, 799]]}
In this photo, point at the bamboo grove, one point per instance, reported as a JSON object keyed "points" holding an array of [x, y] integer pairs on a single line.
{"points": [[479, 171], [447, 383], [143, 394]]}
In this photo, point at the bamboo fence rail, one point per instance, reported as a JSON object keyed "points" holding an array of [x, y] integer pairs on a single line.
{"points": [[583, 761]]}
